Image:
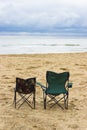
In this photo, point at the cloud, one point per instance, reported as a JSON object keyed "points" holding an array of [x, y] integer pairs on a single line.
{"points": [[42, 14]]}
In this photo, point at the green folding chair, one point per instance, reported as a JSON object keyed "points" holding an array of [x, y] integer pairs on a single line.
{"points": [[25, 92], [56, 84]]}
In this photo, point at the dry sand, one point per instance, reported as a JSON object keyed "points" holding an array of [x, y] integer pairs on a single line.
{"points": [[25, 118]]}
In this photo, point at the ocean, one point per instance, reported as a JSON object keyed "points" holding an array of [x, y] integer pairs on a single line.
{"points": [[31, 44]]}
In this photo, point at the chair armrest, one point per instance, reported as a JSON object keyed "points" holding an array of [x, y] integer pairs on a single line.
{"points": [[42, 86], [69, 85]]}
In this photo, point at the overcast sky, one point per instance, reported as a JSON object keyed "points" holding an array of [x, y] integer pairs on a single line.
{"points": [[42, 15]]}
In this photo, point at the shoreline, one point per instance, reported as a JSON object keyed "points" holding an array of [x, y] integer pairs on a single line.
{"points": [[44, 53]]}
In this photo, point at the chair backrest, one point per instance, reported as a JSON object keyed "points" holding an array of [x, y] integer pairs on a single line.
{"points": [[56, 81], [25, 85]]}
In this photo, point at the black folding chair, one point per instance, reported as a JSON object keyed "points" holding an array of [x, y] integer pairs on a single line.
{"points": [[25, 92]]}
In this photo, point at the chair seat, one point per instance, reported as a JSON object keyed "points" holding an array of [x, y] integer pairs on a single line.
{"points": [[54, 92]]}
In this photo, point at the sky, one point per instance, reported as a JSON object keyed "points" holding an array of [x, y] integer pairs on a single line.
{"points": [[48, 16]]}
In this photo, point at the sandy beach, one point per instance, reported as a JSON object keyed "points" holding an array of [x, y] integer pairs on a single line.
{"points": [[25, 66]]}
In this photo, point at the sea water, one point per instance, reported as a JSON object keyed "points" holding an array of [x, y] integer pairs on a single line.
{"points": [[27, 44]]}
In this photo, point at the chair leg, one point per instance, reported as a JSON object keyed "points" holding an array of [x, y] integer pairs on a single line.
{"points": [[15, 98], [66, 101], [44, 101], [34, 99]]}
